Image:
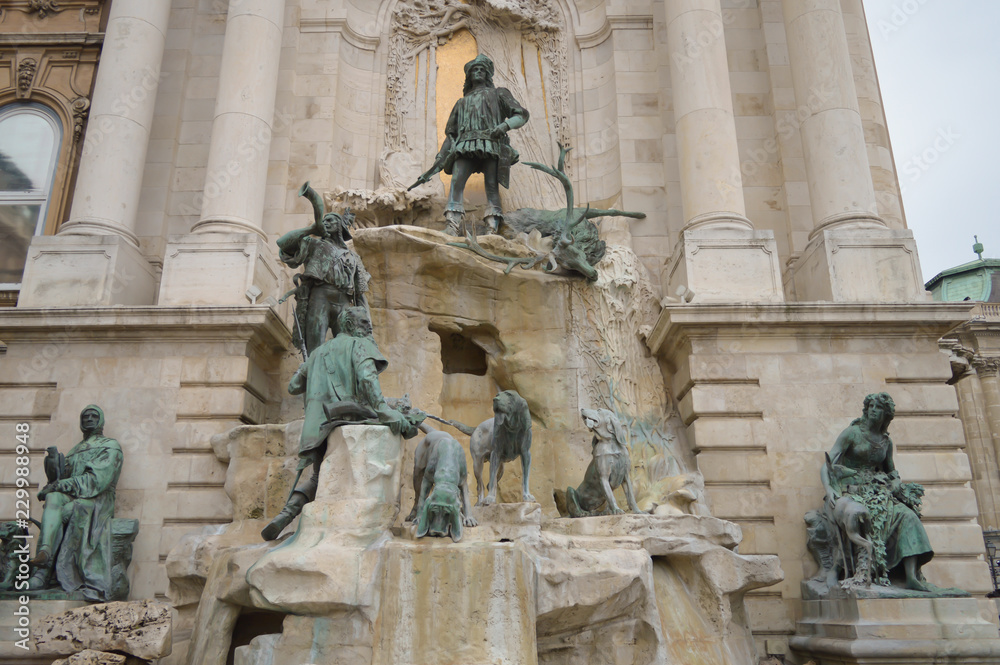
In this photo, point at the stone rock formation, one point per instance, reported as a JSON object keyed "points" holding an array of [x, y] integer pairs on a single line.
{"points": [[140, 628]]}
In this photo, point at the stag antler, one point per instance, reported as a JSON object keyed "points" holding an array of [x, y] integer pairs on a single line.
{"points": [[559, 173], [563, 240], [526, 262]]}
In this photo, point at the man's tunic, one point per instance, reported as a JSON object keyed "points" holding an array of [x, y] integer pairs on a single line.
{"points": [[468, 130]]}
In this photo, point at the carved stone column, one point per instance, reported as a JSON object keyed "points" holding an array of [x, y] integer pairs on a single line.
{"points": [[719, 255], [988, 370], [95, 258], [851, 255], [227, 247]]}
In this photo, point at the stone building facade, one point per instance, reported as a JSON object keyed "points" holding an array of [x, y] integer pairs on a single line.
{"points": [[975, 354], [750, 133]]}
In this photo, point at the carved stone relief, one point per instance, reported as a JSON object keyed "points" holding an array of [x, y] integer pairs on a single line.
{"points": [[43, 7], [622, 377], [26, 74], [986, 366], [80, 107]]}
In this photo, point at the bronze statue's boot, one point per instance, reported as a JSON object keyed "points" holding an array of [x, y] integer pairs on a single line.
{"points": [[493, 219], [285, 517], [42, 562], [41, 559], [454, 218]]}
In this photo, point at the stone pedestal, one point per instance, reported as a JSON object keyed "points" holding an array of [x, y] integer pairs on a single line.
{"points": [[78, 270], [897, 631], [331, 564], [860, 265], [231, 263], [735, 265]]}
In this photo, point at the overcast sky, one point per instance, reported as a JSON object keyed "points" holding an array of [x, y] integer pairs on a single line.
{"points": [[938, 65]]}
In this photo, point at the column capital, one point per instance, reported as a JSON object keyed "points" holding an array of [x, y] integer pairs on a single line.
{"points": [[986, 367]]}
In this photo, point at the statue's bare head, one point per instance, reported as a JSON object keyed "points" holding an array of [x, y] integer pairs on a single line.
{"points": [[355, 321], [478, 72], [879, 409]]}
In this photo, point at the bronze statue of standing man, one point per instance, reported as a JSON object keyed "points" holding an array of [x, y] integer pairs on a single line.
{"points": [[333, 277], [476, 142]]}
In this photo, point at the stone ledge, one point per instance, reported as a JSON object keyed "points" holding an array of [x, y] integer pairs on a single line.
{"points": [[889, 631], [258, 324], [646, 529], [676, 322], [898, 652]]}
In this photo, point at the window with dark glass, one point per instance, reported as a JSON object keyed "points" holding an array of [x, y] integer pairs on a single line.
{"points": [[30, 136]]}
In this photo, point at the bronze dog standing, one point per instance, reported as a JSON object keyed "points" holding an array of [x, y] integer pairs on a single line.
{"points": [[500, 439]]}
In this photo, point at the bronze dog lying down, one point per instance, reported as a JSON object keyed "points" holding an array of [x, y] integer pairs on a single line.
{"points": [[440, 482]]}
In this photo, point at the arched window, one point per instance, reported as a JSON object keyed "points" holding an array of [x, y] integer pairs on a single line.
{"points": [[30, 137]]}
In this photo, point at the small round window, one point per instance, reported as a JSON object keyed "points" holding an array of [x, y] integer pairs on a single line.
{"points": [[29, 152]]}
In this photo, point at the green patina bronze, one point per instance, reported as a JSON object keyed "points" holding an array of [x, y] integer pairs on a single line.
{"points": [[340, 383], [476, 142], [868, 536], [80, 545], [333, 276]]}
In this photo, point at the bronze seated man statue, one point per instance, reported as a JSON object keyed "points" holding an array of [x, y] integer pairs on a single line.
{"points": [[80, 545]]}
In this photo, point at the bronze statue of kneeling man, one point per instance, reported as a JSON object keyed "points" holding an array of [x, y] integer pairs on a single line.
{"points": [[340, 382]]}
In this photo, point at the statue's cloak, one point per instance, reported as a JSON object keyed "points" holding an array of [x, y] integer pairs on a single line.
{"points": [[338, 373]]}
